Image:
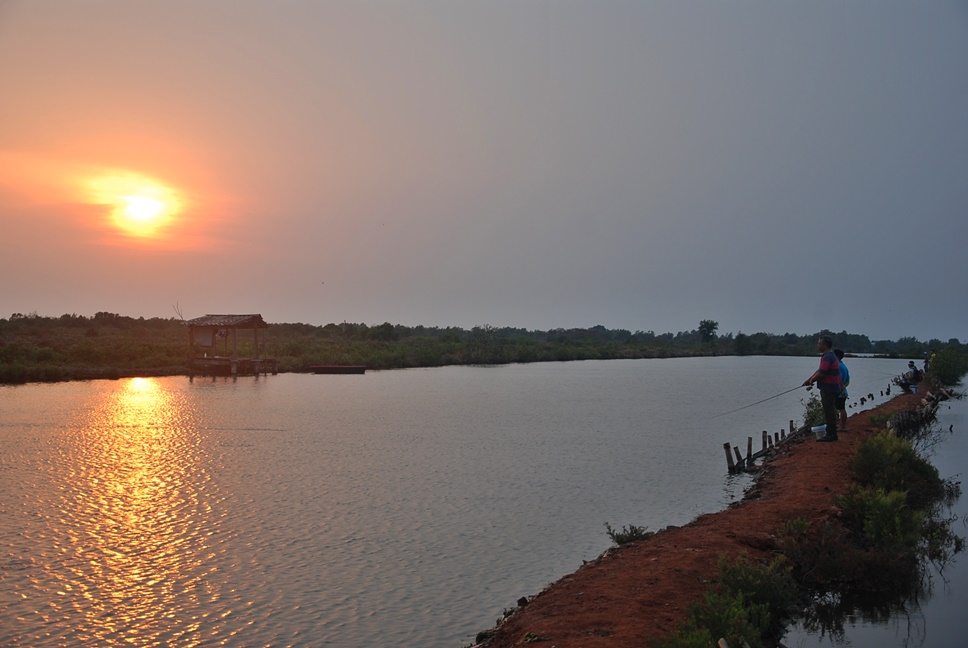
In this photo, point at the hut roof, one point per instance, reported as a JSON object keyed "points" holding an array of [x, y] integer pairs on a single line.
{"points": [[253, 321]]}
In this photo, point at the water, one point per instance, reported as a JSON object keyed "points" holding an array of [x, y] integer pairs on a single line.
{"points": [[395, 508]]}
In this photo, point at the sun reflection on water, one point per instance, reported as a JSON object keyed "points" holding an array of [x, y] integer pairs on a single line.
{"points": [[136, 552]]}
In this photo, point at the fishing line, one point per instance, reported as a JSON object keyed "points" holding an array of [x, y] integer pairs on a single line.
{"points": [[758, 402], [885, 375]]}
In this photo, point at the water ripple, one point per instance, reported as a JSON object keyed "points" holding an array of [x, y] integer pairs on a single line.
{"points": [[403, 508]]}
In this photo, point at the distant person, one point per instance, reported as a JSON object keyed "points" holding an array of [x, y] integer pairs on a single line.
{"points": [[909, 380], [842, 398], [827, 377], [913, 377]]}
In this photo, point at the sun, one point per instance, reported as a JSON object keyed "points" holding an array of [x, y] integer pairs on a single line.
{"points": [[140, 206], [143, 209]]}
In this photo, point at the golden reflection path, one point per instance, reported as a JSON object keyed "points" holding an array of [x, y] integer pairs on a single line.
{"points": [[135, 555]]}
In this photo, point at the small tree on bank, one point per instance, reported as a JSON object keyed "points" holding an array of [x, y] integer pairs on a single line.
{"points": [[707, 330]]}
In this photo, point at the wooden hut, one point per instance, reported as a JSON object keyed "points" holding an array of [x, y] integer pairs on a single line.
{"points": [[210, 338]]}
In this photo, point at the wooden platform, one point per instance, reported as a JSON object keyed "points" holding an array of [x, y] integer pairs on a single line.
{"points": [[338, 369], [221, 366]]}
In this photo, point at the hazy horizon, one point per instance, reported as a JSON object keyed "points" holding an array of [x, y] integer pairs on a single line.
{"points": [[539, 164]]}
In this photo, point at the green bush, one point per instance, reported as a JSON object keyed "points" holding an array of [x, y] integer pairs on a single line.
{"points": [[717, 616], [628, 534], [812, 411], [750, 606], [13, 374], [948, 366], [881, 520], [887, 462], [771, 585], [821, 555]]}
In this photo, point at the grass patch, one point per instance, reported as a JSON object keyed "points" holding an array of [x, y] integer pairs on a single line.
{"points": [[628, 534], [748, 607]]}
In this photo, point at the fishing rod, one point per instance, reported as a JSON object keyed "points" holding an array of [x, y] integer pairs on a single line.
{"points": [[759, 401]]}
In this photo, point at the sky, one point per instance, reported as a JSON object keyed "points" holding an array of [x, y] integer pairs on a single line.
{"points": [[773, 166]]}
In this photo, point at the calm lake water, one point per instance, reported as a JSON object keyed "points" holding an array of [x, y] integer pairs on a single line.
{"points": [[397, 508]]}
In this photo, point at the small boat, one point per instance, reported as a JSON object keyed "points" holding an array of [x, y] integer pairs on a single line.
{"points": [[338, 369]]}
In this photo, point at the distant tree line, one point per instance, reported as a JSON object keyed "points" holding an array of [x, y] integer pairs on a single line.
{"points": [[109, 345]]}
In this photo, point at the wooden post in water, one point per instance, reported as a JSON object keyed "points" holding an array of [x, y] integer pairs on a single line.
{"points": [[791, 427], [777, 437], [739, 457], [749, 452], [235, 350], [729, 458], [766, 436], [191, 354]]}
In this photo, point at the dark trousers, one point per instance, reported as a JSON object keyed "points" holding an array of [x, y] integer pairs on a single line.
{"points": [[828, 400]]}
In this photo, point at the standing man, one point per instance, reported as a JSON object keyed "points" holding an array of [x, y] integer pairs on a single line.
{"points": [[827, 377], [842, 397]]}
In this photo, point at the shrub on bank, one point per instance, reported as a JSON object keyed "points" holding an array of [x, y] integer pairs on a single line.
{"points": [[948, 366], [885, 461], [719, 616], [813, 411], [771, 584], [748, 607], [628, 534], [13, 373]]}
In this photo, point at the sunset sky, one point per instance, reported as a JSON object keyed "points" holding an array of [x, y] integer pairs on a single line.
{"points": [[773, 166]]}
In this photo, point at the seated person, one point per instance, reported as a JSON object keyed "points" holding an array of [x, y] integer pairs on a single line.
{"points": [[910, 379]]}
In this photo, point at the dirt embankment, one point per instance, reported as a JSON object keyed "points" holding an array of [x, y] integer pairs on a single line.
{"points": [[640, 591]]}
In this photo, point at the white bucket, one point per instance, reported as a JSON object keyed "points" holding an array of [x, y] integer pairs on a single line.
{"points": [[820, 431]]}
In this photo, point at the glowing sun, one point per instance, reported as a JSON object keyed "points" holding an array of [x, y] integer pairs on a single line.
{"points": [[140, 206]]}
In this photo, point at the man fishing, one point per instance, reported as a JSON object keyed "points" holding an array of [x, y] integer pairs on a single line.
{"points": [[827, 377]]}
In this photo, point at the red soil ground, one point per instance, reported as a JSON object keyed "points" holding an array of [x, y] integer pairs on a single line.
{"points": [[640, 591]]}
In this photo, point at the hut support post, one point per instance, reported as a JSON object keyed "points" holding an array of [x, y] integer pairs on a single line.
{"points": [[235, 351]]}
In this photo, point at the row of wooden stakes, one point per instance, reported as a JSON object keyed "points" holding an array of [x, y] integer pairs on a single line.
{"points": [[737, 463]]}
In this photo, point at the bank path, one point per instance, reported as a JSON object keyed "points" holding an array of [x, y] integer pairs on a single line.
{"points": [[639, 591]]}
